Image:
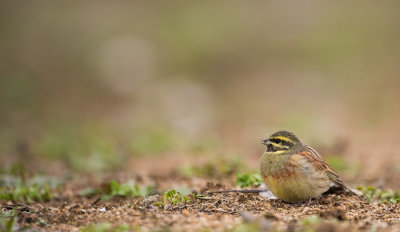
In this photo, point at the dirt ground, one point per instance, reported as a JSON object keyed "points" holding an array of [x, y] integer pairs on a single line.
{"points": [[215, 212]]}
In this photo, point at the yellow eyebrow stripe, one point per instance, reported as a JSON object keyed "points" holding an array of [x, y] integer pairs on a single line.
{"points": [[282, 138]]}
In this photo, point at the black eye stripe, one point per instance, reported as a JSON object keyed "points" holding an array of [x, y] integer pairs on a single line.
{"points": [[277, 140], [280, 141]]}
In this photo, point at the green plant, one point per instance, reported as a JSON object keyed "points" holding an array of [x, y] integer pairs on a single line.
{"points": [[309, 224], [174, 197], [42, 222], [248, 179], [314, 219], [88, 191], [8, 214], [35, 189], [26, 193], [129, 189], [8, 224], [383, 196]]}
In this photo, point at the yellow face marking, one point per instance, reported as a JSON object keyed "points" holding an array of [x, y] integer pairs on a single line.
{"points": [[277, 152], [279, 145]]}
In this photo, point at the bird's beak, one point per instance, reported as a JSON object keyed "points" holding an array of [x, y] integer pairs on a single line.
{"points": [[266, 141]]}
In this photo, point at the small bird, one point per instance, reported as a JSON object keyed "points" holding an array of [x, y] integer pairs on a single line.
{"points": [[295, 172]]}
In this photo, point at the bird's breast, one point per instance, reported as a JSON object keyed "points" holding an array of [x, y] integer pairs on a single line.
{"points": [[276, 165]]}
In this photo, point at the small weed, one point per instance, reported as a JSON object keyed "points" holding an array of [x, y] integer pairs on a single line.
{"points": [[174, 197], [42, 223], [309, 224], [88, 191], [8, 220], [8, 214], [26, 193], [35, 189], [382, 196], [311, 220], [129, 189], [247, 180], [107, 227], [8, 224]]}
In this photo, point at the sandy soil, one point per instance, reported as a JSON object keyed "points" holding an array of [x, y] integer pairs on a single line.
{"points": [[215, 212]]}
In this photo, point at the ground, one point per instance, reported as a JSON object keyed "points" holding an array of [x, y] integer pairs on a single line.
{"points": [[73, 209]]}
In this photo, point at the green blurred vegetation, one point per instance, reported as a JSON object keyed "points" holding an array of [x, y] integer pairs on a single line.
{"points": [[309, 224], [129, 189], [18, 186], [8, 220], [248, 179], [246, 227], [382, 196], [339, 164], [8, 224], [21, 192], [118, 189], [216, 167], [108, 227], [85, 150]]}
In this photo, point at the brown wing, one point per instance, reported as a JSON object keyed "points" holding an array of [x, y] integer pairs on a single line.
{"points": [[316, 160]]}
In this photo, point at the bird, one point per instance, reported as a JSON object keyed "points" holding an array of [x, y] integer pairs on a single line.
{"points": [[295, 172]]}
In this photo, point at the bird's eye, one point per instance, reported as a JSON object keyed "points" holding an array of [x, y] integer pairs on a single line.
{"points": [[278, 141]]}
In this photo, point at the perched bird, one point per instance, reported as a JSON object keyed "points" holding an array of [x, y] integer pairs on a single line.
{"points": [[295, 172]]}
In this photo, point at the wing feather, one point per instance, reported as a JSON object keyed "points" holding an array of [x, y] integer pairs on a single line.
{"points": [[316, 160]]}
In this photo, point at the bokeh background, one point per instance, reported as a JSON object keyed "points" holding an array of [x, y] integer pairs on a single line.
{"points": [[88, 87]]}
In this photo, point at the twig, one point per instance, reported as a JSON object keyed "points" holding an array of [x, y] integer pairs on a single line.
{"points": [[239, 191]]}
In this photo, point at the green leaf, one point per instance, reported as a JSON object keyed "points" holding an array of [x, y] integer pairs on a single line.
{"points": [[88, 191], [247, 180]]}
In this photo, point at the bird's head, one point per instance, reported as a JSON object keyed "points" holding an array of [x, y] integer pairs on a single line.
{"points": [[281, 141]]}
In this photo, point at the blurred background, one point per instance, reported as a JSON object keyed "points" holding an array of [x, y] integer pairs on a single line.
{"points": [[91, 87]]}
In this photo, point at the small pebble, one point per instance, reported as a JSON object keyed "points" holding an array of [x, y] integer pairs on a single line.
{"points": [[185, 213]]}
